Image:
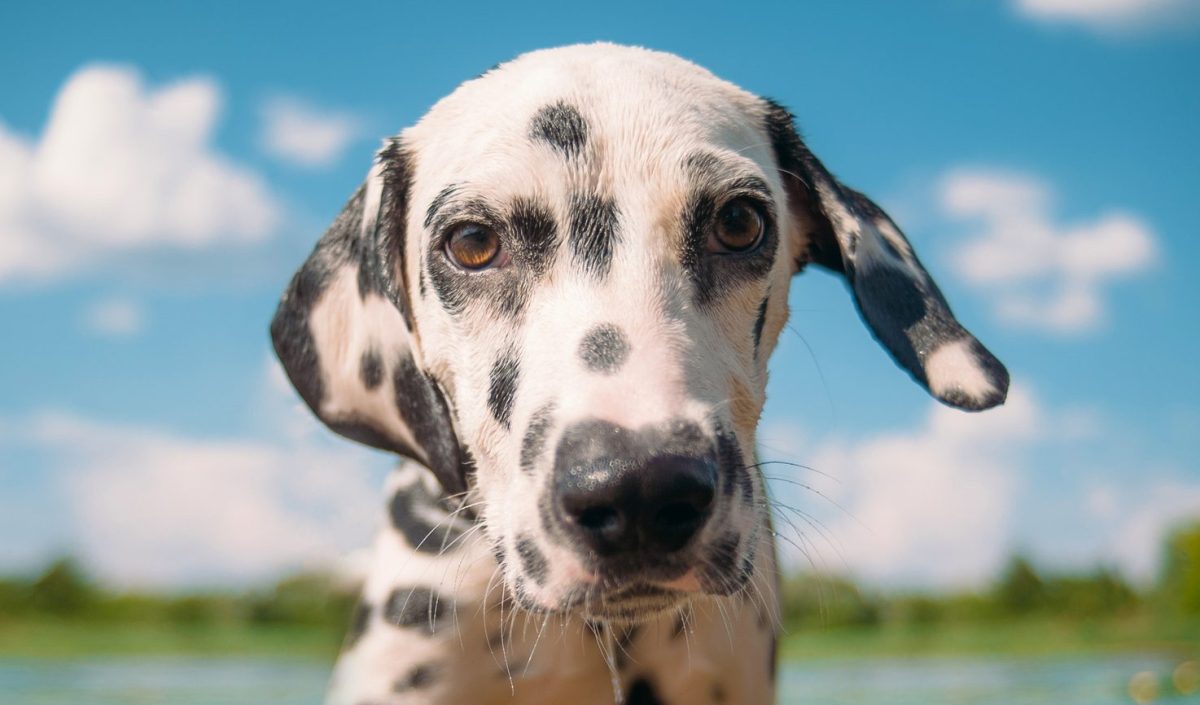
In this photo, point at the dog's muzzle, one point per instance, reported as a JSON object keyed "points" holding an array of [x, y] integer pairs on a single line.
{"points": [[633, 496]]}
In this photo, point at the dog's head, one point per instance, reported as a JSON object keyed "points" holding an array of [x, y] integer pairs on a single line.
{"points": [[559, 292]]}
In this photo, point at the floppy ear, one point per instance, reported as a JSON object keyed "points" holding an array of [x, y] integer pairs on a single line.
{"points": [[344, 331], [844, 231]]}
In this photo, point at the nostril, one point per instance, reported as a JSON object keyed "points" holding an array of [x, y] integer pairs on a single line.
{"points": [[677, 515], [602, 520]]}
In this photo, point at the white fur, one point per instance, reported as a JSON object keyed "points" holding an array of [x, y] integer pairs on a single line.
{"points": [[954, 367]]}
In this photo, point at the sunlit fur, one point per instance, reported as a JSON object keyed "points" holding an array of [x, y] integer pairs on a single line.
{"points": [[643, 132]]}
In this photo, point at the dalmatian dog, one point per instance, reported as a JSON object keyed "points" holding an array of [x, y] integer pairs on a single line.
{"points": [[555, 296]]}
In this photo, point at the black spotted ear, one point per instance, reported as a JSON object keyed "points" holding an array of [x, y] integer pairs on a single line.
{"points": [[843, 230], [344, 331]]}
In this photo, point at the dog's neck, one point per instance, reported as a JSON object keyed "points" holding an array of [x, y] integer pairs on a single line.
{"points": [[436, 625]]}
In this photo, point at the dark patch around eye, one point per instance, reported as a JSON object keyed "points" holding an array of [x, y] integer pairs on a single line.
{"points": [[529, 234], [502, 390], [533, 561], [439, 201], [534, 441], [714, 274], [561, 126], [604, 349], [593, 232]]}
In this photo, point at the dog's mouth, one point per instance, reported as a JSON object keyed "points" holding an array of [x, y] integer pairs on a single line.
{"points": [[627, 604]]}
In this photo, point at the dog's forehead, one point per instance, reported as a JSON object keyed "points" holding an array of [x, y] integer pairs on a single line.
{"points": [[595, 117]]}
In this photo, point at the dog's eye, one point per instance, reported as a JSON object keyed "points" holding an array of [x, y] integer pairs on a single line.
{"points": [[739, 227], [473, 246]]}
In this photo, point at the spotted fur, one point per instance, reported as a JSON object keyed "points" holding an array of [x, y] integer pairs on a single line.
{"points": [[578, 517]]}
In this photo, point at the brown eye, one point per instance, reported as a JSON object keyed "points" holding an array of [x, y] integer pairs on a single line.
{"points": [[739, 226], [473, 246]]}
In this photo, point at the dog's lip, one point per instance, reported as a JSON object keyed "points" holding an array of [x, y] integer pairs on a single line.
{"points": [[628, 601]]}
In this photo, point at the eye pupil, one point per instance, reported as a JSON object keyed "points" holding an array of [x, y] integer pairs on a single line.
{"points": [[473, 246], [739, 226]]}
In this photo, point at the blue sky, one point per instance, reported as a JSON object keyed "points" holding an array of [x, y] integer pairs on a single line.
{"points": [[163, 170]]}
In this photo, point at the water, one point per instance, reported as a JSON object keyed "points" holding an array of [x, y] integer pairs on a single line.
{"points": [[925, 681]]}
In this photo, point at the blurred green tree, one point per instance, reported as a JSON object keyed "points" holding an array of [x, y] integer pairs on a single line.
{"points": [[1179, 583], [63, 589], [1020, 589], [825, 601]]}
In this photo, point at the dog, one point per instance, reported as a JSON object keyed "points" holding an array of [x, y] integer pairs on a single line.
{"points": [[555, 296]]}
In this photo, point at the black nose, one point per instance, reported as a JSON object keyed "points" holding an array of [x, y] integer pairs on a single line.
{"points": [[622, 492]]}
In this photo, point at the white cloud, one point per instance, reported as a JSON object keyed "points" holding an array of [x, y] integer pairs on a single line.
{"points": [[931, 506], [155, 508], [114, 318], [122, 167], [1111, 16], [1038, 272], [305, 135], [148, 507]]}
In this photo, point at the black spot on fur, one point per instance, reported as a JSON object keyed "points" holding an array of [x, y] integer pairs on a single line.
{"points": [[534, 236], [718, 693], [604, 349], [720, 574], [370, 369], [723, 551], [410, 509], [593, 232], [358, 623], [747, 569], [502, 390], [391, 232], [422, 406], [731, 461], [642, 693], [760, 322], [561, 126], [535, 436], [532, 560], [421, 676], [418, 608]]}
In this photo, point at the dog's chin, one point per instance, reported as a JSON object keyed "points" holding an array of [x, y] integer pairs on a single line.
{"points": [[631, 604], [626, 604]]}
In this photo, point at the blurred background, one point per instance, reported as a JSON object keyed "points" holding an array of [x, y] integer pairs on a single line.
{"points": [[174, 527]]}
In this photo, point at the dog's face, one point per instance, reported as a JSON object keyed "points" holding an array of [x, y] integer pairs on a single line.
{"points": [[559, 291]]}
